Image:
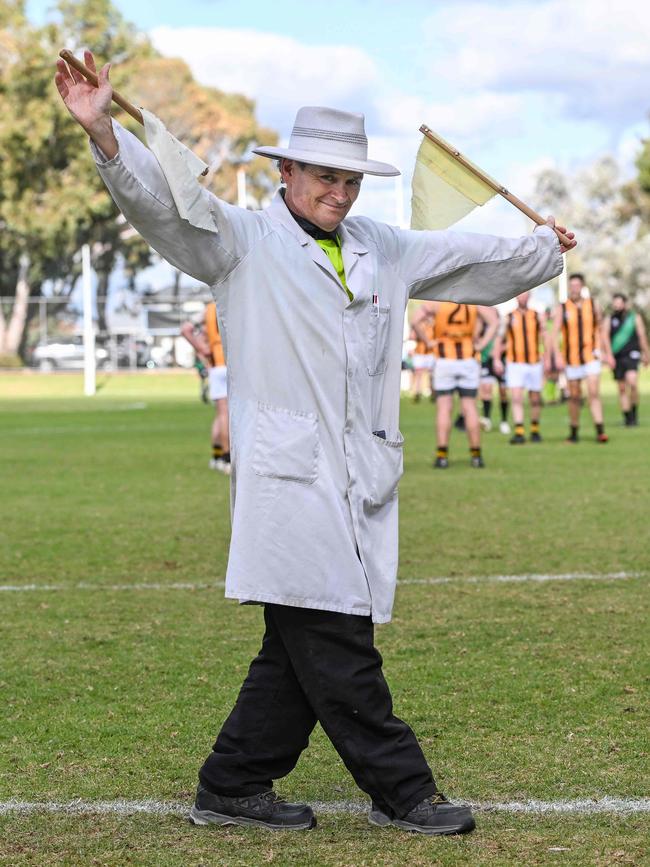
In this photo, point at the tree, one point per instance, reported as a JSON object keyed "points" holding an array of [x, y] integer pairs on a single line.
{"points": [[613, 250], [52, 199]]}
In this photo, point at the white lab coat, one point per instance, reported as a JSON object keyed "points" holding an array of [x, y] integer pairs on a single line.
{"points": [[312, 376]]}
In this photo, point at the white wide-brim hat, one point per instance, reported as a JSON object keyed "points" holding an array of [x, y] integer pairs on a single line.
{"points": [[332, 138]]}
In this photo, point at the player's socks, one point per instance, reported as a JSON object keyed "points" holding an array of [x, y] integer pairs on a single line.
{"points": [[627, 418], [535, 435], [475, 458], [634, 410], [487, 408], [217, 451], [459, 424], [519, 437], [442, 460], [573, 435], [504, 410], [601, 436]]}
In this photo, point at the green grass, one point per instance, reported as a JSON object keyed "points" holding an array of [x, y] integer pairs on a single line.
{"points": [[517, 691]]}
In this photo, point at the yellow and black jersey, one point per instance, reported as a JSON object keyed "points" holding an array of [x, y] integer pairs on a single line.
{"points": [[523, 337], [212, 333], [453, 330], [580, 331]]}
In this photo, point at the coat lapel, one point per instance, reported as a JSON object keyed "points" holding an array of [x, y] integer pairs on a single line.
{"points": [[352, 247]]}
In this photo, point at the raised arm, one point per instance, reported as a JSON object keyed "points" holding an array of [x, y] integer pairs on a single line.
{"points": [[139, 187], [470, 268]]}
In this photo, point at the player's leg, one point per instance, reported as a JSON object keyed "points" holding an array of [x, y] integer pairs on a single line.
{"points": [[574, 387], [535, 404], [416, 392], [485, 396], [504, 427], [596, 406], [632, 381], [517, 399], [468, 378], [472, 423], [534, 381], [444, 407]]}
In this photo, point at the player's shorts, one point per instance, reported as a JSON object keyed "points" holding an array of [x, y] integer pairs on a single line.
{"points": [[488, 374], [217, 381], [423, 362], [582, 371], [527, 376], [629, 361], [456, 374]]}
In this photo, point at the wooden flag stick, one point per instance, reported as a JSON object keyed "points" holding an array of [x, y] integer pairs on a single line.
{"points": [[498, 188], [71, 60]]}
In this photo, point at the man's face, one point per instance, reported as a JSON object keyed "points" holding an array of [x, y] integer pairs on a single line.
{"points": [[321, 195], [522, 300], [618, 304], [575, 288]]}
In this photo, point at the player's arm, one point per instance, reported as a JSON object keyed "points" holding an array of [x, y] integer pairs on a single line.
{"points": [[643, 339], [197, 341], [608, 355], [424, 314], [560, 362], [547, 347], [490, 318]]}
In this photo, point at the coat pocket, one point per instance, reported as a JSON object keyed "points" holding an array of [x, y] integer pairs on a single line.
{"points": [[378, 339], [387, 468], [286, 444]]}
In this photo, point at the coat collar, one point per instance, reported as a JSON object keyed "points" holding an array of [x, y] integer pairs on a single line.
{"points": [[352, 247]]}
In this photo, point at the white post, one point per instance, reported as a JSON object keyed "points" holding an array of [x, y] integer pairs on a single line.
{"points": [[241, 188], [89, 326], [563, 289], [399, 202]]}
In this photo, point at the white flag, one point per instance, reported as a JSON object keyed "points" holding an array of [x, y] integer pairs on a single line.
{"points": [[181, 168]]}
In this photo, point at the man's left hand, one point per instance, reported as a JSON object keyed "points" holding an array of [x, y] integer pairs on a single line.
{"points": [[550, 221]]}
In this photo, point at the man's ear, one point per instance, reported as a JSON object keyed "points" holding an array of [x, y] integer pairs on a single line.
{"points": [[286, 169]]}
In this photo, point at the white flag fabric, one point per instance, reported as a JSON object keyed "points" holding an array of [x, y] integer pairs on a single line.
{"points": [[181, 168], [443, 190]]}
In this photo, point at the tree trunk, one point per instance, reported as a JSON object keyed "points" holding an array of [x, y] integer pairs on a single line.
{"points": [[14, 331]]}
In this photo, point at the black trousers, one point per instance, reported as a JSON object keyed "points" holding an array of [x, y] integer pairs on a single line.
{"points": [[318, 666]]}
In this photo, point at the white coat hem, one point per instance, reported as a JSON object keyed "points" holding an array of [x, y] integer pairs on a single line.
{"points": [[299, 602]]}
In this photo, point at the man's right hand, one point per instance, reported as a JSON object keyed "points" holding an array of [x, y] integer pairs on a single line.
{"points": [[90, 106]]}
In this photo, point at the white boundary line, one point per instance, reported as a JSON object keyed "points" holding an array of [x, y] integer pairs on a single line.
{"points": [[586, 806], [477, 579]]}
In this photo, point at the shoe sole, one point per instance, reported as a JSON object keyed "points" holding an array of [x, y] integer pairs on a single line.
{"points": [[382, 821], [207, 817]]}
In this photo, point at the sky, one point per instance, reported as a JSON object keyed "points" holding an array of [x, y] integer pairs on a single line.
{"points": [[517, 86]]}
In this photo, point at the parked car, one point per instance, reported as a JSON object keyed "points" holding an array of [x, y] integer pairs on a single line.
{"points": [[66, 355]]}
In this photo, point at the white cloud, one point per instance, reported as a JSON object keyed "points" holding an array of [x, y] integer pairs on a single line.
{"points": [[592, 55], [279, 72]]}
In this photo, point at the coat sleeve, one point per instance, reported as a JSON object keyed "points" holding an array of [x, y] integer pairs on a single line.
{"points": [[137, 184], [473, 269]]}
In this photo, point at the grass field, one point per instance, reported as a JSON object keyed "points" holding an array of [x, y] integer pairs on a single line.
{"points": [[519, 690]]}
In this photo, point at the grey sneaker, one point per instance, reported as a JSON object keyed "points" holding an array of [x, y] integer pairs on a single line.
{"points": [[433, 815], [265, 810]]}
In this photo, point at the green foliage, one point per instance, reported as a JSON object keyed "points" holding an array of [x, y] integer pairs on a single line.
{"points": [[52, 199]]}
